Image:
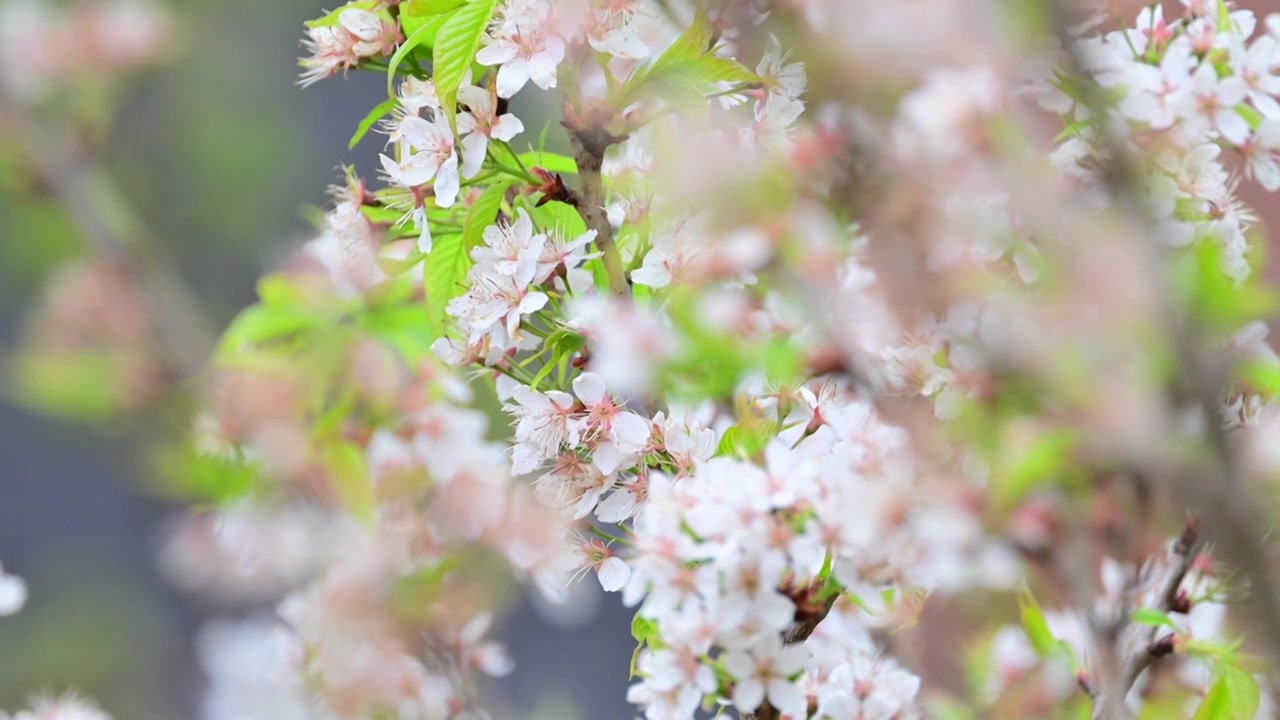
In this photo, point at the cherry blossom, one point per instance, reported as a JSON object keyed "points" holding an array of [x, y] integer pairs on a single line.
{"points": [[523, 47]]}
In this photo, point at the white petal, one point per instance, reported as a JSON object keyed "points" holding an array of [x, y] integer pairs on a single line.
{"points": [[630, 432], [497, 53], [507, 127], [607, 458], [589, 387], [13, 594], [447, 183], [617, 507], [511, 78], [474, 148], [787, 697], [748, 694], [613, 574], [1232, 126]]}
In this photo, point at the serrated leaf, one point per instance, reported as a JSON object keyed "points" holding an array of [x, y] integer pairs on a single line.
{"points": [[443, 272], [561, 217], [376, 114], [688, 64], [414, 13], [425, 35], [1234, 696], [455, 50], [705, 69], [1151, 616], [552, 162]]}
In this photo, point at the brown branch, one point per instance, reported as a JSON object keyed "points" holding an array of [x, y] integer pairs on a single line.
{"points": [[1185, 551], [590, 141]]}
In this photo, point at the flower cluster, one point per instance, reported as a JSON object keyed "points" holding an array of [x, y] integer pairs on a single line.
{"points": [[342, 40], [774, 376]]}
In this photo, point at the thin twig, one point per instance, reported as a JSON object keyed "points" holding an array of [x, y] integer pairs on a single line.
{"points": [[589, 146]]}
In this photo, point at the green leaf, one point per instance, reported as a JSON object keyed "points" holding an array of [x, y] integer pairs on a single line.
{"points": [[1250, 115], [549, 161], [688, 68], [215, 478], [742, 440], [416, 13], [561, 217], [644, 629], [1035, 625], [646, 632], [427, 33], [1154, 617], [455, 50], [259, 324], [706, 69], [278, 289], [376, 114], [1219, 301], [1234, 696], [83, 385], [443, 273], [1045, 457], [350, 477]]}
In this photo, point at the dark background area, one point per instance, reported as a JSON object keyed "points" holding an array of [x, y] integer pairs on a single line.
{"points": [[221, 154]]}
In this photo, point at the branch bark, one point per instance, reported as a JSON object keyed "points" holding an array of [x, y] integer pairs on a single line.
{"points": [[589, 146]]}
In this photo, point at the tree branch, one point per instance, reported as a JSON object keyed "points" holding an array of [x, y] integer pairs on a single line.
{"points": [[589, 145]]}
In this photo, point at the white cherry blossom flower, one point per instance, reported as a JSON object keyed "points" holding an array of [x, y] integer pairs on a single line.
{"points": [[524, 48], [764, 672], [485, 125], [1211, 105]]}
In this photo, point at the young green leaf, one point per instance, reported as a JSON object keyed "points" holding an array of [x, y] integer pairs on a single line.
{"points": [[1151, 616], [455, 50], [424, 36], [376, 114], [443, 273], [552, 162], [350, 477], [1234, 696], [1035, 625]]}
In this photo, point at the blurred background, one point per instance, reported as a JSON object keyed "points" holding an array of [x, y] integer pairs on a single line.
{"points": [[223, 158]]}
